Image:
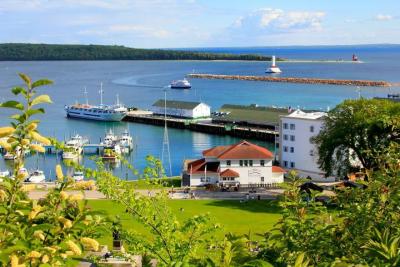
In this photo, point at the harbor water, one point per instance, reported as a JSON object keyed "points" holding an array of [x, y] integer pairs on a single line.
{"points": [[140, 84]]}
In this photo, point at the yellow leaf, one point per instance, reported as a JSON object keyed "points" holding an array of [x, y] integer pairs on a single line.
{"points": [[6, 131], [41, 139], [37, 148]]}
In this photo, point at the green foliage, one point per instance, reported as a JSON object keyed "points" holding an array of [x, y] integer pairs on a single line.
{"points": [[50, 231], [171, 242], [357, 129], [107, 52], [363, 228]]}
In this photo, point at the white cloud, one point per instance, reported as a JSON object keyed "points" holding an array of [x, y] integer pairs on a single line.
{"points": [[383, 17], [268, 20]]}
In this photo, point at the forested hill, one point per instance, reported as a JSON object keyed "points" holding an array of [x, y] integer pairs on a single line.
{"points": [[18, 52]]}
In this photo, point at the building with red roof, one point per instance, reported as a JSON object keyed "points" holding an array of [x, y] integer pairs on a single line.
{"points": [[243, 163]]}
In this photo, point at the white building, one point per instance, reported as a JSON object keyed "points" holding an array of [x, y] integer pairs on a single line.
{"points": [[243, 163], [295, 148], [184, 109]]}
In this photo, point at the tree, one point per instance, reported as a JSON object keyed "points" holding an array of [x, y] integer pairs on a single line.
{"points": [[361, 228], [52, 230], [357, 130]]}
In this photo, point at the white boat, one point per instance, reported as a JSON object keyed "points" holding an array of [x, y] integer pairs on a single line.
{"points": [[74, 147], [78, 176], [24, 172], [37, 177], [181, 84], [101, 113], [126, 142], [5, 173], [273, 68], [9, 156], [110, 139]]}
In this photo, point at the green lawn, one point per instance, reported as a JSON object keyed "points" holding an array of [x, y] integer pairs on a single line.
{"points": [[255, 216], [253, 114]]}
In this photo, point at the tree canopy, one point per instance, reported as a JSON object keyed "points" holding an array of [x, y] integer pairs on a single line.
{"points": [[16, 52], [357, 131]]}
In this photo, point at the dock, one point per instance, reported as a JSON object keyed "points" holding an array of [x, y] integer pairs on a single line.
{"points": [[206, 126], [292, 80]]}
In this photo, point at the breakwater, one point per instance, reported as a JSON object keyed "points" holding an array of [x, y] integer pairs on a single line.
{"points": [[292, 80], [257, 133]]}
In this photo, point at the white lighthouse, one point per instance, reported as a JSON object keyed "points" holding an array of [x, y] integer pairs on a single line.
{"points": [[273, 68]]}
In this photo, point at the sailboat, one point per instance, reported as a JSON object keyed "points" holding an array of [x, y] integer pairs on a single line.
{"points": [[273, 68]]}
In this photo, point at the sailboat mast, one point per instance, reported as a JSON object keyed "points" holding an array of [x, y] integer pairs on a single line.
{"points": [[101, 94], [86, 96]]}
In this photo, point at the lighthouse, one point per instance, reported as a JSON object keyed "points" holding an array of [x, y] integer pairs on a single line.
{"points": [[273, 68]]}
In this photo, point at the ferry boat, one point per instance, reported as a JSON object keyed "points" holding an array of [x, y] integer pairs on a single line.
{"points": [[101, 113], [181, 84], [273, 68], [36, 177], [74, 147], [78, 176], [126, 142]]}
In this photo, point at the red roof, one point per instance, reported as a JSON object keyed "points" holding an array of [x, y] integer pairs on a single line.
{"points": [[241, 150], [278, 169], [229, 173], [201, 166]]}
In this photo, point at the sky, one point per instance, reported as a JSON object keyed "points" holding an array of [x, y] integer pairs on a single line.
{"points": [[200, 23]]}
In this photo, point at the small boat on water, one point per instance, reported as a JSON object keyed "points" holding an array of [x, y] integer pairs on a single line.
{"points": [[101, 113], [181, 84], [36, 177], [78, 176], [24, 172], [126, 142], [110, 139], [9, 156], [354, 58], [273, 68], [73, 147], [5, 173]]}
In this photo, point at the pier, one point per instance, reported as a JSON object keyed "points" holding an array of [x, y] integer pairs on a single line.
{"points": [[207, 126], [292, 80]]}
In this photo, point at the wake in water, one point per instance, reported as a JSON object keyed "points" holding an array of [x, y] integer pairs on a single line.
{"points": [[134, 80]]}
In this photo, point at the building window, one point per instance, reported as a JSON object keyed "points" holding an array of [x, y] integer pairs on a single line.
{"points": [[292, 126], [241, 162], [246, 163], [285, 125], [285, 163], [285, 137], [285, 149], [262, 162], [292, 165], [292, 138], [262, 179], [312, 128], [251, 162], [291, 149], [228, 163]]}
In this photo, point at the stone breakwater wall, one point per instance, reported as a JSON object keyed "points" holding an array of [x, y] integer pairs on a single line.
{"points": [[292, 80]]}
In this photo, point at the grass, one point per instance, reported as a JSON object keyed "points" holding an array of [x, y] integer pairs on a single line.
{"points": [[239, 218], [158, 183]]}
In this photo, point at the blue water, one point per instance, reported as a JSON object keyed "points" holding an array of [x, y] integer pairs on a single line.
{"points": [[139, 84]]}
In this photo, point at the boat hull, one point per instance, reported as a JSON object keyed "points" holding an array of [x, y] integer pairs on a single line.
{"points": [[180, 87], [103, 117]]}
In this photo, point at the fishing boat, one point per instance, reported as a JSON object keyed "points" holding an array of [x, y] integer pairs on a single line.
{"points": [[126, 142], [101, 113], [74, 147], [78, 176], [273, 68], [36, 177], [181, 84]]}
